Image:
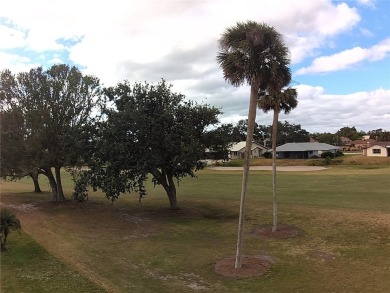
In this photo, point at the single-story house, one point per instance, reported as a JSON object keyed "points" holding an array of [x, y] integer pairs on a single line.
{"points": [[379, 149], [237, 150], [303, 150]]}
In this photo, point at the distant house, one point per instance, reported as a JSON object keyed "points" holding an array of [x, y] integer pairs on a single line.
{"points": [[361, 144], [237, 150], [378, 149], [345, 140], [304, 150]]}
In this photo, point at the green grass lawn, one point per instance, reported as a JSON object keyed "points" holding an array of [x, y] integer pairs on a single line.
{"points": [[344, 212], [28, 267]]}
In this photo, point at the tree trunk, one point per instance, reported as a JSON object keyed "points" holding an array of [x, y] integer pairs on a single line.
{"points": [[60, 191], [172, 193], [166, 181], [245, 174], [275, 196], [53, 185], [3, 241], [34, 176]]}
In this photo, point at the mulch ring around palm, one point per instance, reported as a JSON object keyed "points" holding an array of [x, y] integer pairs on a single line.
{"points": [[251, 266], [283, 231]]}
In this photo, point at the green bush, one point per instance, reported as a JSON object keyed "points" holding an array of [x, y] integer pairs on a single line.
{"points": [[325, 155], [267, 155]]}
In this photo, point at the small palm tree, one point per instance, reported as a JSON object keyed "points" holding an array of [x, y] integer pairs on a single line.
{"points": [[8, 223], [281, 101], [253, 53]]}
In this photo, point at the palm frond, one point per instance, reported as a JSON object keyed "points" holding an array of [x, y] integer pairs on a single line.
{"points": [[254, 52], [278, 101]]}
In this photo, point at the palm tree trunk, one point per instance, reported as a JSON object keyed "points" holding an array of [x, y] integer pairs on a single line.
{"points": [[245, 174], [275, 196]]}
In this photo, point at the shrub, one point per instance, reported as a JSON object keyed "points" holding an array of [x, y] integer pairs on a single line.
{"points": [[267, 155], [8, 223], [325, 155]]}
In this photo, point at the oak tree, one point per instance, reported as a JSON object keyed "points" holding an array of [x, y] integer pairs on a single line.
{"points": [[149, 131]]}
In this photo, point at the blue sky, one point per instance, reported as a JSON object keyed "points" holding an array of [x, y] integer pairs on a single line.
{"points": [[340, 50]]}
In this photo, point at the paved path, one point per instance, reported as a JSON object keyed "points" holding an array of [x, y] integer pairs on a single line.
{"points": [[266, 168]]}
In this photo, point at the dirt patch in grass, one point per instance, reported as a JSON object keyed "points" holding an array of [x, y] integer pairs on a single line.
{"points": [[283, 231], [166, 213], [251, 266]]}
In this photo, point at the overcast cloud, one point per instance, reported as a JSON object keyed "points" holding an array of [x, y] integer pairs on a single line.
{"points": [[178, 40]]}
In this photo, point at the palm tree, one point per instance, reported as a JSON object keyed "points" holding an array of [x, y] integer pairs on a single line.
{"points": [[252, 53], [282, 101], [8, 223]]}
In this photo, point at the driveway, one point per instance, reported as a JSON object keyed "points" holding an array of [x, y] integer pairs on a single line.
{"points": [[269, 168]]}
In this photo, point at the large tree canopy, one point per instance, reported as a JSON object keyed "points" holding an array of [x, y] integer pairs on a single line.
{"points": [[148, 130], [52, 109], [350, 132]]}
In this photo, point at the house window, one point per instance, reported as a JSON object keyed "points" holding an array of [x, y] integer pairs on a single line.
{"points": [[235, 153], [376, 151]]}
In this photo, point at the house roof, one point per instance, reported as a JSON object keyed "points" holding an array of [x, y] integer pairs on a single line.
{"points": [[367, 142], [305, 146], [241, 145], [385, 144]]}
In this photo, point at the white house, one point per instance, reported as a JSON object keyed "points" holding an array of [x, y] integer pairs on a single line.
{"points": [[303, 150], [237, 150], [378, 149]]}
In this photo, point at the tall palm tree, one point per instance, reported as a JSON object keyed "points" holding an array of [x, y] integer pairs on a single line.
{"points": [[252, 53], [281, 101], [8, 223]]}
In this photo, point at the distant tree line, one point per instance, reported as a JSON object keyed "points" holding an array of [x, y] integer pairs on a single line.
{"points": [[289, 132]]}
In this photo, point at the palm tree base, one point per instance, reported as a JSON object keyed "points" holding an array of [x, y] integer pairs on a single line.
{"points": [[252, 266]]}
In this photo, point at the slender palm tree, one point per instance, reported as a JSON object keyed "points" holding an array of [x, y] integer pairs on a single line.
{"points": [[252, 53], [8, 223], [281, 101]]}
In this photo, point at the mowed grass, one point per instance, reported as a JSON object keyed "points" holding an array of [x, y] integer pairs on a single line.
{"points": [[344, 212], [28, 267]]}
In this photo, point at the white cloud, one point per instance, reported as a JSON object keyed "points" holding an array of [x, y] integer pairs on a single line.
{"points": [[366, 33], [11, 38], [145, 40], [15, 63], [318, 111], [56, 60], [370, 3], [114, 32], [347, 58]]}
